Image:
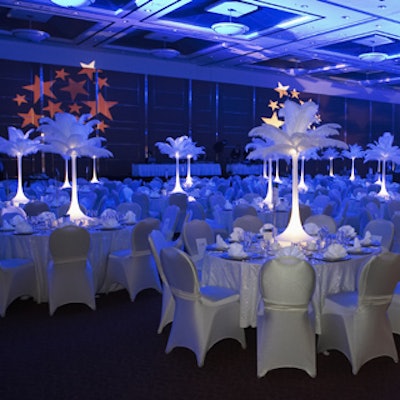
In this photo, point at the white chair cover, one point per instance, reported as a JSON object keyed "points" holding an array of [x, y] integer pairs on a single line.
{"points": [[394, 310], [249, 223], [158, 242], [135, 268], [322, 221], [17, 279], [169, 221], [285, 331], [356, 323], [203, 316], [197, 234], [70, 275]]}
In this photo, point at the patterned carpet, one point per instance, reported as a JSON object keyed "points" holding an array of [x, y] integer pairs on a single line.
{"points": [[115, 353]]}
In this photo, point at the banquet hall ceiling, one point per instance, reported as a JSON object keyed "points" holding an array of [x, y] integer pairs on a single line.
{"points": [[309, 38]]}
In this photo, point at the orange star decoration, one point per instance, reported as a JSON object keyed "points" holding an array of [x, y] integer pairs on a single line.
{"points": [[19, 99], [30, 118], [75, 88], [61, 74], [53, 108], [282, 90], [274, 120], [273, 105], [35, 88], [295, 94], [102, 82], [102, 126], [101, 106], [74, 108]]}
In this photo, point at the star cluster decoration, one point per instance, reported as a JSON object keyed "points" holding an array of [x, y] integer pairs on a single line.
{"points": [[72, 92], [275, 105]]}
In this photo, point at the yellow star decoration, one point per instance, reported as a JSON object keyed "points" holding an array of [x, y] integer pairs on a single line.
{"points": [[273, 105], [274, 120], [295, 94], [282, 90]]}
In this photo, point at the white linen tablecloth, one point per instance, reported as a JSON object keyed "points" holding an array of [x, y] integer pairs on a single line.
{"points": [[36, 247], [331, 277]]}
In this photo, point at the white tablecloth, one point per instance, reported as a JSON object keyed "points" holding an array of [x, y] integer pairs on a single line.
{"points": [[168, 170], [331, 277], [36, 247]]}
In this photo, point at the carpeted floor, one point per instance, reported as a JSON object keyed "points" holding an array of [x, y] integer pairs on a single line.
{"points": [[115, 353]]}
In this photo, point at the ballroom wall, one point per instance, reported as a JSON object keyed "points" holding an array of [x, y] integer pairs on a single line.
{"points": [[140, 109]]}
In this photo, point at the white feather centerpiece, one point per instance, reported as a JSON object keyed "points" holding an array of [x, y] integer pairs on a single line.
{"points": [[297, 135], [69, 136], [176, 148], [354, 151], [19, 144], [193, 152]]}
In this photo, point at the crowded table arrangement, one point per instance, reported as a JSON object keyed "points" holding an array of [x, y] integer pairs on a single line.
{"points": [[215, 246]]}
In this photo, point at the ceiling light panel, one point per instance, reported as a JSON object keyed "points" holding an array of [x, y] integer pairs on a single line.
{"points": [[233, 9]]}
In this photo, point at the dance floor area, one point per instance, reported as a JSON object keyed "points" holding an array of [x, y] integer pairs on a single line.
{"points": [[116, 353]]}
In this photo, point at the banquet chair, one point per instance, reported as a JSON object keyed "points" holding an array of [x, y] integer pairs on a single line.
{"points": [[144, 202], [158, 242], [17, 279], [243, 209], [169, 221], [180, 200], [203, 315], [356, 323], [305, 212], [197, 234], [69, 273], [197, 210], [394, 310], [35, 207], [249, 223], [285, 329], [382, 229], [396, 237], [134, 268], [322, 221], [393, 206]]}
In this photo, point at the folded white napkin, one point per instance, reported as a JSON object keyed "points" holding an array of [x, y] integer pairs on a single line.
{"points": [[311, 228], [356, 243], [130, 217], [293, 251], [220, 243], [109, 222], [109, 213], [228, 205], [335, 251], [17, 219], [237, 234], [348, 231], [367, 239], [236, 250], [23, 227]]}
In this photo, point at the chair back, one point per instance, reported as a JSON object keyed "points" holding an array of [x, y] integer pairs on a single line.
{"points": [[158, 242], [143, 200], [322, 221], [287, 282], [196, 235], [243, 209], [249, 223], [141, 232], [197, 210], [35, 207], [378, 279], [170, 221], [180, 272], [69, 243], [382, 228]]}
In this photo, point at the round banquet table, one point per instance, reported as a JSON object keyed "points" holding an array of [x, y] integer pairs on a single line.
{"points": [[331, 277], [36, 247]]}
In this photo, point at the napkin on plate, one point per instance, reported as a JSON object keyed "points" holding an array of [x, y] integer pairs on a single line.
{"points": [[23, 227], [47, 217], [367, 239], [335, 251], [109, 218], [348, 231], [236, 251], [130, 217], [237, 234], [293, 251], [220, 243], [228, 205], [311, 228], [16, 220]]}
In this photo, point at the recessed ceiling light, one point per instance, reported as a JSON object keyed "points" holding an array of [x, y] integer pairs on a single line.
{"points": [[373, 56], [165, 53]]}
